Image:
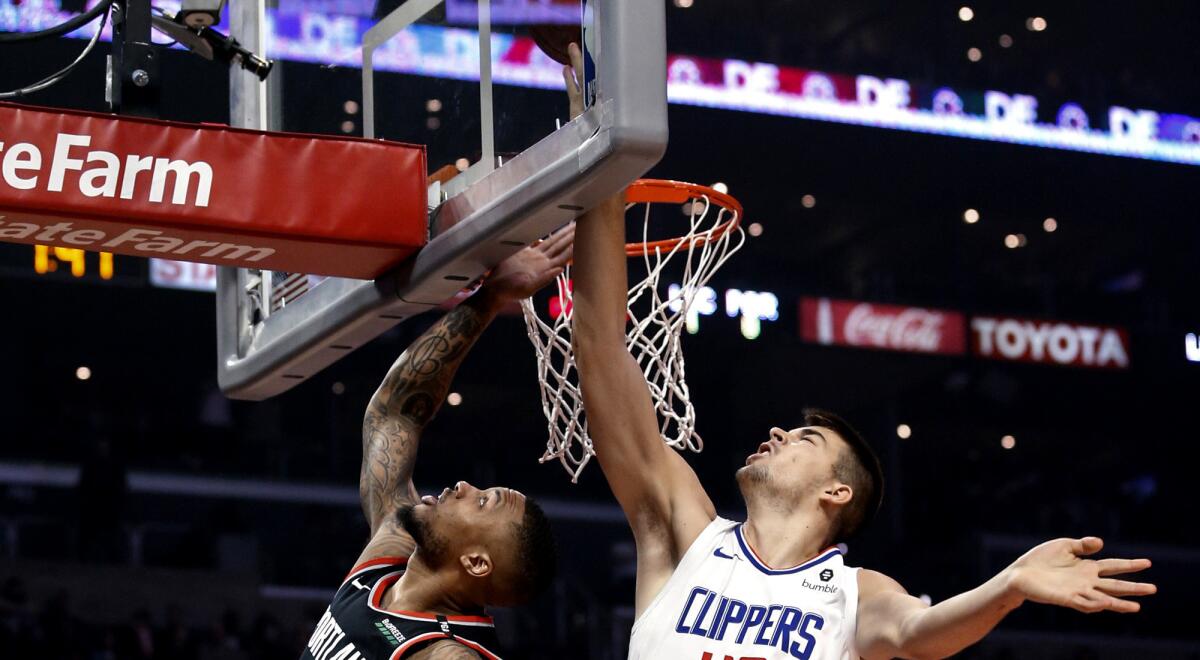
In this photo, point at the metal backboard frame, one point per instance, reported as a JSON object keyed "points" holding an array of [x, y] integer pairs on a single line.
{"points": [[478, 219]]}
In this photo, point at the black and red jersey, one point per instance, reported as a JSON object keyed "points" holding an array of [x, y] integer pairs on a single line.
{"points": [[355, 626]]}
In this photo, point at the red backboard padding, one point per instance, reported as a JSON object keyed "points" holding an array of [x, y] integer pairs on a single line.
{"points": [[299, 203]]}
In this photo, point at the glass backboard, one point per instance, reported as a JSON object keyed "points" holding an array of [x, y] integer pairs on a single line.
{"points": [[444, 73]]}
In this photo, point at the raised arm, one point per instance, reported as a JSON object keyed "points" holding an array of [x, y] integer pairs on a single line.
{"points": [[893, 624], [407, 399], [417, 384], [662, 499]]}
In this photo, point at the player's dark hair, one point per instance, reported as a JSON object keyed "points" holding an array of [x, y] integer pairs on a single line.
{"points": [[858, 468], [537, 553]]}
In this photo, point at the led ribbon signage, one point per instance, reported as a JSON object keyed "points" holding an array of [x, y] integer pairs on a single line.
{"points": [[333, 39]]}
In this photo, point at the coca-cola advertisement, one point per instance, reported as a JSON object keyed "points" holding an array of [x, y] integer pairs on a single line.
{"points": [[834, 322], [1050, 342]]}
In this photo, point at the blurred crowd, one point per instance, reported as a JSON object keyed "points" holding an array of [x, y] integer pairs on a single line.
{"points": [[52, 628]]}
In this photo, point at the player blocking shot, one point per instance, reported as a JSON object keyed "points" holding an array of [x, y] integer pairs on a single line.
{"points": [[434, 563], [775, 586]]}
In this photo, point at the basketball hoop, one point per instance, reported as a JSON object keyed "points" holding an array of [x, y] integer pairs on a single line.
{"points": [[656, 319]]}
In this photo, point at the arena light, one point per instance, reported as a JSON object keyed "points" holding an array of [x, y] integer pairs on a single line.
{"points": [[350, 107], [970, 216], [753, 307], [808, 201], [904, 431], [433, 105], [454, 399], [684, 4], [83, 373], [1012, 241], [1050, 225], [1006, 41], [974, 54], [338, 388], [965, 14], [692, 321], [1008, 442], [703, 304], [462, 164], [750, 307], [1192, 347], [1036, 24], [755, 229], [721, 187]]}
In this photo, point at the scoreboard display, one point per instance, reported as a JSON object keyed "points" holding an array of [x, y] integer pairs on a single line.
{"points": [[58, 264], [48, 260], [69, 264]]}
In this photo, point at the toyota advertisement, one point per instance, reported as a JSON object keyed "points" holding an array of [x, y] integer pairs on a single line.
{"points": [[857, 324]]}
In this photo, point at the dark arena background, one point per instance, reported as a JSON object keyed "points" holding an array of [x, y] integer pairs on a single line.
{"points": [[1011, 322]]}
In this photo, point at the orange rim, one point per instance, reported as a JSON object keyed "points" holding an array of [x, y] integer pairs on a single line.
{"points": [[663, 191]]}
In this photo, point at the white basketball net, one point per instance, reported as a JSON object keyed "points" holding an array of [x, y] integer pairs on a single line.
{"points": [[653, 337]]}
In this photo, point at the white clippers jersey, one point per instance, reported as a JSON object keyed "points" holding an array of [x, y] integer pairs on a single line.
{"points": [[723, 603]]}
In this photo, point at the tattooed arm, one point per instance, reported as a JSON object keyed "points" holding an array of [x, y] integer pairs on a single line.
{"points": [[406, 401], [417, 384]]}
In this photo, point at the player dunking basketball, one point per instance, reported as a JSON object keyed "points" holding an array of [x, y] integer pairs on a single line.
{"points": [[419, 588], [774, 586]]}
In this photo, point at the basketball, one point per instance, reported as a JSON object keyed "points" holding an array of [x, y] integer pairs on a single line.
{"points": [[554, 39]]}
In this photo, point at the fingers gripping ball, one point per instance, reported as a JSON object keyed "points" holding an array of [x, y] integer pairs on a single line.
{"points": [[553, 39]]}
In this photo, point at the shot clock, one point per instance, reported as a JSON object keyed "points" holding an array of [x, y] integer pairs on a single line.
{"points": [[48, 259]]}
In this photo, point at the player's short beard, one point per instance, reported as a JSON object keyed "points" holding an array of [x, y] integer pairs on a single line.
{"points": [[752, 476], [432, 547], [752, 480], [753, 472], [757, 486]]}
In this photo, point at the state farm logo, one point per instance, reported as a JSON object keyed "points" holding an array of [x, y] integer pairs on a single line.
{"points": [[132, 240], [912, 329], [1050, 342], [111, 175]]}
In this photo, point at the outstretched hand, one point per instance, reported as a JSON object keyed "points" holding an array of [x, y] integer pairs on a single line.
{"points": [[527, 271], [1057, 573], [573, 77]]}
